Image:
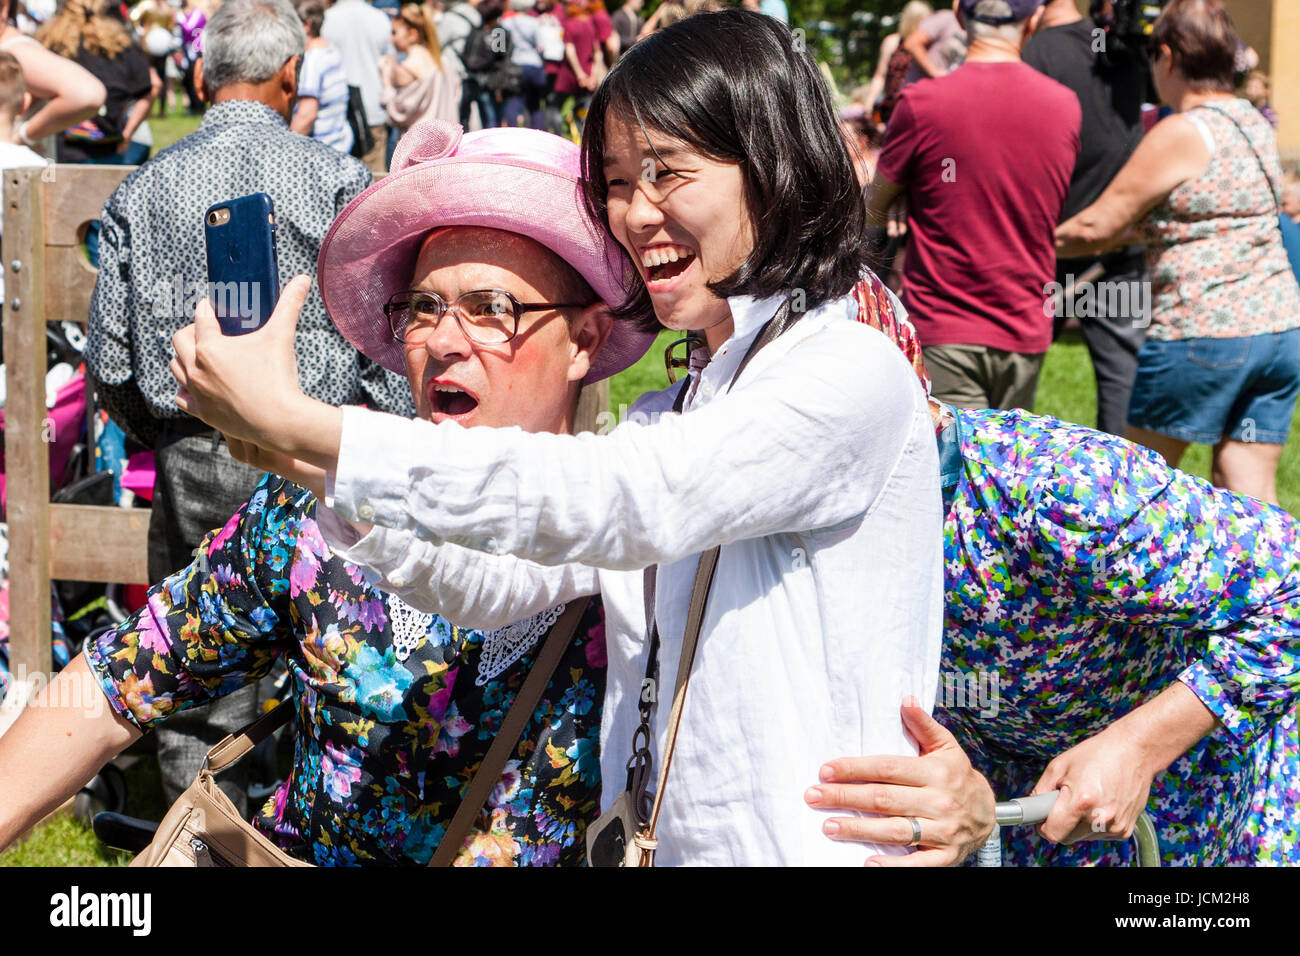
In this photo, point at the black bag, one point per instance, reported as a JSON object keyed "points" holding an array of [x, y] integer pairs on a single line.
{"points": [[362, 139], [481, 50], [487, 58]]}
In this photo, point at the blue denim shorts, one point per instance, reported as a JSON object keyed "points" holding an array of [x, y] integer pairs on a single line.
{"points": [[1205, 390]]}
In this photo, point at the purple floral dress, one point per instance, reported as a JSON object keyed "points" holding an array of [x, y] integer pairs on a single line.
{"points": [[1084, 575], [395, 708]]}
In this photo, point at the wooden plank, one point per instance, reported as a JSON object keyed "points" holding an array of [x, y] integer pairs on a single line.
{"points": [[99, 544], [74, 195], [69, 280], [26, 435]]}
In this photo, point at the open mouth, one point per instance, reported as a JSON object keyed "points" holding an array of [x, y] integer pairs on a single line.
{"points": [[666, 262], [451, 401]]}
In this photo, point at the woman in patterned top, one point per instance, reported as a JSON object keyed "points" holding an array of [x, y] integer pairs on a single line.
{"points": [[1221, 363], [1086, 579]]}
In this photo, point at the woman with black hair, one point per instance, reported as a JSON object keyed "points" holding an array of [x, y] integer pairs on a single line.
{"points": [[805, 450]]}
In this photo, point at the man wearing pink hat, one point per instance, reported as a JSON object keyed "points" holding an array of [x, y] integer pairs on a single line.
{"points": [[396, 708]]}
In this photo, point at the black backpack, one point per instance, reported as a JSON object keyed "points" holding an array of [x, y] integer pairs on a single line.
{"points": [[363, 141]]}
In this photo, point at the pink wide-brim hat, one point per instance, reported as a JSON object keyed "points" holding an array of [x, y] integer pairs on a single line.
{"points": [[518, 180]]}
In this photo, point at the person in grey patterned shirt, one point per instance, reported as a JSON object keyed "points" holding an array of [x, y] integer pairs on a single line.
{"points": [[153, 271]]}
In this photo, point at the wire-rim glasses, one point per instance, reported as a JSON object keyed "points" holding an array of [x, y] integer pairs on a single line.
{"points": [[485, 316]]}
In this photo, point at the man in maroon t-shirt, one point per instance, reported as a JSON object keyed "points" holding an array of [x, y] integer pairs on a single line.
{"points": [[983, 157]]}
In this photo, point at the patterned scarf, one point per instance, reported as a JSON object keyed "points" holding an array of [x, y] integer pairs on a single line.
{"points": [[876, 309]]}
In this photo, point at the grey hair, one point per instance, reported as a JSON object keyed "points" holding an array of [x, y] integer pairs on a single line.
{"points": [[1011, 32], [249, 41]]}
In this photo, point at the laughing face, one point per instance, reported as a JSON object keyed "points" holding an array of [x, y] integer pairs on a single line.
{"points": [[531, 381], [682, 218]]}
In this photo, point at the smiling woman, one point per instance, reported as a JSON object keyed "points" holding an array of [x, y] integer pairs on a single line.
{"points": [[678, 142]]}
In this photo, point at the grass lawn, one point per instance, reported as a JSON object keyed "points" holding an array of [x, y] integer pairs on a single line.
{"points": [[1066, 390], [176, 125]]}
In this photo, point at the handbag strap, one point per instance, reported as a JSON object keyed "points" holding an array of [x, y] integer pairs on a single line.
{"points": [[700, 589], [236, 745], [694, 620], [1250, 143], [489, 771]]}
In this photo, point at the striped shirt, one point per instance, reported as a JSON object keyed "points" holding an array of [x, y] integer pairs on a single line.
{"points": [[323, 79]]}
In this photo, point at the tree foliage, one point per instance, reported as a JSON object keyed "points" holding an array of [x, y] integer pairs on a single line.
{"points": [[846, 34]]}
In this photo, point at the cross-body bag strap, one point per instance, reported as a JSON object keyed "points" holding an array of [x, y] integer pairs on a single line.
{"points": [[703, 583], [230, 749], [1254, 152], [489, 771], [694, 620]]}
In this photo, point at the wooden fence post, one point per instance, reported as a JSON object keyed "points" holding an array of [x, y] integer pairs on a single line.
{"points": [[27, 431]]}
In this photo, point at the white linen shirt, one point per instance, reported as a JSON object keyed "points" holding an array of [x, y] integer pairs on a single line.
{"points": [[818, 474]]}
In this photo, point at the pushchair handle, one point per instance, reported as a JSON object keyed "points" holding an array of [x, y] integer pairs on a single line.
{"points": [[1025, 810], [1033, 810]]}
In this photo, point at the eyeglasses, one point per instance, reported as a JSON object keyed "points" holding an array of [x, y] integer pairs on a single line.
{"points": [[486, 316]]}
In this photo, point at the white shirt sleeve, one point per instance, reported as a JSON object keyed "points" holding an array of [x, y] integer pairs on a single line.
{"points": [[807, 442], [468, 588]]}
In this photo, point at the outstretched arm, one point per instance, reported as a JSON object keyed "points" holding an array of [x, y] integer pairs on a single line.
{"points": [[58, 743]]}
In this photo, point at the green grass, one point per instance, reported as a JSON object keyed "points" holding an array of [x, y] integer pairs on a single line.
{"points": [[1066, 390], [68, 841], [176, 125]]}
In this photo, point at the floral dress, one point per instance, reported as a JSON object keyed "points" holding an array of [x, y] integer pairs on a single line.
{"points": [[395, 709], [1084, 575]]}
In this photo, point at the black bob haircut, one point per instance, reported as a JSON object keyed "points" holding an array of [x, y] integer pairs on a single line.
{"points": [[736, 87]]}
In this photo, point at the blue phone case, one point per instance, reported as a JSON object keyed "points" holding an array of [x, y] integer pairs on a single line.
{"points": [[243, 272]]}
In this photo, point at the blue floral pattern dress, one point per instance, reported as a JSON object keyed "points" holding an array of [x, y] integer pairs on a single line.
{"points": [[1084, 575], [395, 710]]}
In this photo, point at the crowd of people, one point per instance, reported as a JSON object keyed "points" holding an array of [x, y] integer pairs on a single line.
{"points": [[848, 501]]}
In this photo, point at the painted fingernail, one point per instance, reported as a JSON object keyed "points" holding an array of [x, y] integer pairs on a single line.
{"points": [[813, 795], [831, 828]]}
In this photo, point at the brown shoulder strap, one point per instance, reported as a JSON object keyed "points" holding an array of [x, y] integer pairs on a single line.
{"points": [[694, 621], [489, 771], [235, 746]]}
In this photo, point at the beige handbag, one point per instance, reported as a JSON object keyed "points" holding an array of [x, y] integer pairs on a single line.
{"points": [[203, 828]]}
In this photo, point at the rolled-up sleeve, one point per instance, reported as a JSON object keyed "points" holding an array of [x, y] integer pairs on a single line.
{"points": [[468, 588], [208, 629]]}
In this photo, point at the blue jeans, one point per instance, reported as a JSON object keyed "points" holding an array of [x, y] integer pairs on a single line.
{"points": [[1205, 390]]}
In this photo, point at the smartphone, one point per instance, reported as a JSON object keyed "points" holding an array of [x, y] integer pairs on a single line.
{"points": [[243, 272]]}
